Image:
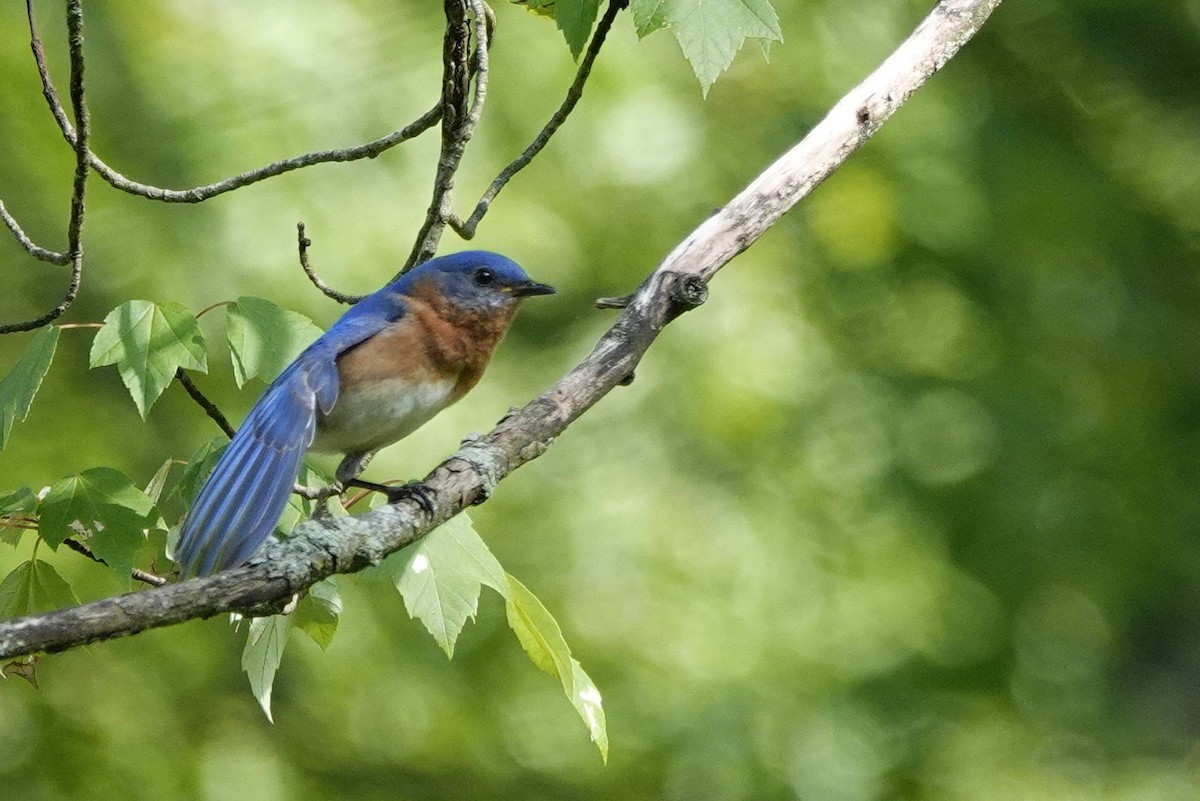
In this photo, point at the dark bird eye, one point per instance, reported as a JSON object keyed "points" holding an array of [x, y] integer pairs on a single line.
{"points": [[484, 277]]}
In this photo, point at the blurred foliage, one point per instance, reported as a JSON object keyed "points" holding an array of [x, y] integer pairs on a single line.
{"points": [[907, 510]]}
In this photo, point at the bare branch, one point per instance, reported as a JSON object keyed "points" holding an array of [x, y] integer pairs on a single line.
{"points": [[39, 55], [78, 136], [48, 90], [303, 243], [201, 193], [458, 118], [138, 575], [40, 253], [849, 124], [208, 406], [74, 252], [466, 228], [82, 131], [319, 548]]}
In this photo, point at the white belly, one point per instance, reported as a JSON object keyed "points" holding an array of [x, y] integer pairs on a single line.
{"points": [[379, 414]]}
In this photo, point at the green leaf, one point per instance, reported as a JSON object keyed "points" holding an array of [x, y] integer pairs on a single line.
{"points": [[538, 633], [440, 578], [155, 486], [318, 612], [106, 503], [17, 502], [23, 380], [32, 587], [540, 636], [587, 702], [196, 472], [265, 642], [710, 32], [648, 16], [543, 8], [264, 338], [148, 342], [575, 19]]}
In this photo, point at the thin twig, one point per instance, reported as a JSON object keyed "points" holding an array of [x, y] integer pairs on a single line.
{"points": [[60, 115], [138, 575], [303, 244], [466, 228], [79, 143], [458, 117], [40, 253], [208, 406], [48, 90], [212, 306], [201, 193], [82, 130]]}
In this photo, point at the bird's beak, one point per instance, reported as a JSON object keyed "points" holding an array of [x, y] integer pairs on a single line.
{"points": [[532, 288]]}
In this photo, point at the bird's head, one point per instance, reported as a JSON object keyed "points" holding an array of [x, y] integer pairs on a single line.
{"points": [[473, 281]]}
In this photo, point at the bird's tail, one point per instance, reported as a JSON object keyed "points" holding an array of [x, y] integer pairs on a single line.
{"points": [[241, 502]]}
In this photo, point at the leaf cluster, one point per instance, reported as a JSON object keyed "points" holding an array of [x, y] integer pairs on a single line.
{"points": [[102, 513], [710, 32]]}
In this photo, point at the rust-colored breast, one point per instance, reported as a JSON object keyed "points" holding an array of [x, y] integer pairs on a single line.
{"points": [[434, 340], [458, 341]]}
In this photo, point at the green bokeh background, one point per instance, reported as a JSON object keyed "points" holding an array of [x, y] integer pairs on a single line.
{"points": [[907, 510]]}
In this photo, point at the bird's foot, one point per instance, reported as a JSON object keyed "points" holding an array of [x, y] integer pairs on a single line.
{"points": [[318, 495], [413, 490]]}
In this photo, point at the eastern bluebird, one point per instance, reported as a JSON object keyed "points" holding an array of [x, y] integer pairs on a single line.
{"points": [[389, 364]]}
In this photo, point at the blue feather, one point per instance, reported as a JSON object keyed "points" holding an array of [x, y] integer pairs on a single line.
{"points": [[241, 502], [248, 489]]}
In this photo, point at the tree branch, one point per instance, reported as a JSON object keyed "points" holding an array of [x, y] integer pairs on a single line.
{"points": [[303, 243], [48, 90], [32, 248], [319, 548], [460, 113], [368, 150], [79, 142], [466, 228], [204, 403], [200, 193], [143, 576]]}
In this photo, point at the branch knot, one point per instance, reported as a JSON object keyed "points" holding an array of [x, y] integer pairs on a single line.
{"points": [[686, 292]]}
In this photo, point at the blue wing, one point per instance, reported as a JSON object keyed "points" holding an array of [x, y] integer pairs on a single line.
{"points": [[248, 489]]}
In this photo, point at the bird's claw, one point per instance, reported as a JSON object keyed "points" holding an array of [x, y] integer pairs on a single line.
{"points": [[413, 490]]}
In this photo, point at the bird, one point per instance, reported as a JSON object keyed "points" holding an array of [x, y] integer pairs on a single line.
{"points": [[386, 367]]}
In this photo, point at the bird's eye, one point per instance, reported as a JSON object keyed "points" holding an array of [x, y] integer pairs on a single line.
{"points": [[484, 277]]}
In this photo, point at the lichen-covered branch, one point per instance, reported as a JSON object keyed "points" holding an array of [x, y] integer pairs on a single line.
{"points": [[303, 243], [32, 248], [79, 142], [197, 194], [319, 548], [466, 228], [460, 112]]}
